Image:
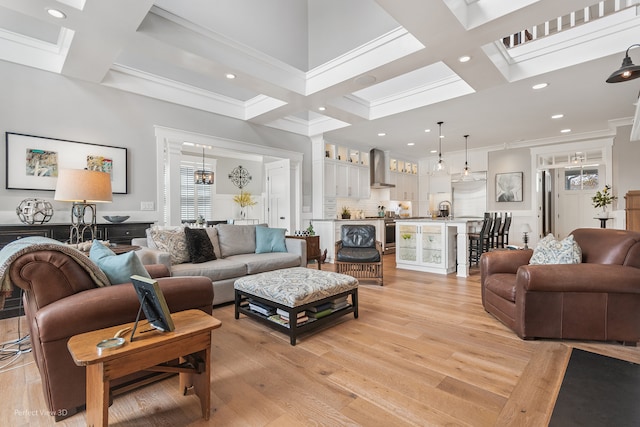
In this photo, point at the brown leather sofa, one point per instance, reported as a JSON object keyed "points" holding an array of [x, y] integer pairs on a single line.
{"points": [[598, 299], [61, 300]]}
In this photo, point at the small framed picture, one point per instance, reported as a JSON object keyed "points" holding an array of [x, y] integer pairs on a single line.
{"points": [[509, 187]]}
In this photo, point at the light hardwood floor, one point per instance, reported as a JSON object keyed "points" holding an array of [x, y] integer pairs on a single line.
{"points": [[423, 352]]}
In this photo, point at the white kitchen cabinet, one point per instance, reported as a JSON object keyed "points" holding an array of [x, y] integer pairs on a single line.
{"points": [[346, 180], [330, 187], [342, 179], [364, 182], [426, 246], [406, 186]]}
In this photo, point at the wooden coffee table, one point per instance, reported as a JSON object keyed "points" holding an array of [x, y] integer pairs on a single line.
{"points": [[191, 341]]}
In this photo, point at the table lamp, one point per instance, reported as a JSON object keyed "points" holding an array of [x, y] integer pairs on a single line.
{"points": [[526, 229], [84, 188]]}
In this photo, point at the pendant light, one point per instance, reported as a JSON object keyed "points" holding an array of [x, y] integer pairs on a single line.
{"points": [[203, 176], [467, 175], [440, 168]]}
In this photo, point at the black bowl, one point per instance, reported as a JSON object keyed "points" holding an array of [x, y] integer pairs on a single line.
{"points": [[116, 218]]}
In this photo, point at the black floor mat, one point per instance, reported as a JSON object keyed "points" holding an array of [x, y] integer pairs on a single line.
{"points": [[598, 391]]}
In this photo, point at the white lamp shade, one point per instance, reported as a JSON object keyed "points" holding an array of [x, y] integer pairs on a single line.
{"points": [[525, 228], [82, 185]]}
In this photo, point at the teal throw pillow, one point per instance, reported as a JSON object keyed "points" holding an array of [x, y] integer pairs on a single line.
{"points": [[118, 268], [270, 240]]}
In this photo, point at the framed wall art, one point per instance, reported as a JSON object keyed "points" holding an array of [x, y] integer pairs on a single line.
{"points": [[33, 162], [509, 187]]}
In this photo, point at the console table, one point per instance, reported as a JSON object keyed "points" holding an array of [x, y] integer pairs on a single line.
{"points": [[121, 233]]}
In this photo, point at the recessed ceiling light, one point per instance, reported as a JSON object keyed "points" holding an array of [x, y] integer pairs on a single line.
{"points": [[433, 151], [565, 130], [539, 86], [427, 130], [464, 58], [56, 13], [230, 76], [557, 116], [411, 144], [382, 134], [322, 108]]}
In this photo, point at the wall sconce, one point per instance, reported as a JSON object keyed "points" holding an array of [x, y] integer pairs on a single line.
{"points": [[627, 71], [84, 188], [526, 229]]}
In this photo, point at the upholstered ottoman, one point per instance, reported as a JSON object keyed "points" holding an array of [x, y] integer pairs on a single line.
{"points": [[313, 297]]}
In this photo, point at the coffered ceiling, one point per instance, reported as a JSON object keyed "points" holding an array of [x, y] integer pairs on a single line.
{"points": [[383, 66]]}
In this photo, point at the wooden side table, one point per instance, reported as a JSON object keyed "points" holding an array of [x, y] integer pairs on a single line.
{"points": [[190, 341], [313, 248]]}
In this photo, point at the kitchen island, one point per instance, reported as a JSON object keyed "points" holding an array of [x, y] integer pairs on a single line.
{"points": [[434, 245]]}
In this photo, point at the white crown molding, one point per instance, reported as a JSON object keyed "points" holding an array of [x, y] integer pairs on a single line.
{"points": [[307, 128], [382, 50], [36, 53]]}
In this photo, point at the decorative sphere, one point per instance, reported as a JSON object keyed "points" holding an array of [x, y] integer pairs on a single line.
{"points": [[34, 211]]}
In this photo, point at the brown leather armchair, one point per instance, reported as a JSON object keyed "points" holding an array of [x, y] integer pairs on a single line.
{"points": [[62, 300], [598, 299]]}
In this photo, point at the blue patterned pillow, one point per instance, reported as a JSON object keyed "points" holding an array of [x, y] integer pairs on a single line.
{"points": [[551, 251]]}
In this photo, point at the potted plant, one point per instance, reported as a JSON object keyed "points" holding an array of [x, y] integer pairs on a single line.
{"points": [[602, 199], [346, 213]]}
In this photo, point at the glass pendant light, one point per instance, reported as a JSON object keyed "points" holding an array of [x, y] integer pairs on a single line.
{"points": [[467, 175], [203, 176], [440, 168]]}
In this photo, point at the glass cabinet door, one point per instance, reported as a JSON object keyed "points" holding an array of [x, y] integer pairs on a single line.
{"points": [[406, 241], [432, 245]]}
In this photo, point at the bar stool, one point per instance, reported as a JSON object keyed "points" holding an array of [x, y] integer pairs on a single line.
{"points": [[503, 234], [480, 242], [495, 229]]}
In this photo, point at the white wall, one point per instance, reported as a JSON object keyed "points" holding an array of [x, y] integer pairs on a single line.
{"points": [[46, 104]]}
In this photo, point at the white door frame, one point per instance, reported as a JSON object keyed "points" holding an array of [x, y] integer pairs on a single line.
{"points": [[168, 154], [538, 154]]}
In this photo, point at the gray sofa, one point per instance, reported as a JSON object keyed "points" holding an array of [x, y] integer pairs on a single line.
{"points": [[234, 247]]}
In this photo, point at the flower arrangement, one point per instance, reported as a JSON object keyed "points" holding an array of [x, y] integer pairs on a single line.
{"points": [[244, 199], [603, 198]]}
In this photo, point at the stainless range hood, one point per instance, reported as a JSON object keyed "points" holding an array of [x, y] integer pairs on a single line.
{"points": [[379, 169]]}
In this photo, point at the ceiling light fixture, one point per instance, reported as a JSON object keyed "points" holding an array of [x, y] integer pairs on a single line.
{"points": [[557, 116], [230, 76], [411, 144], [440, 168], [565, 131], [464, 58], [467, 175], [427, 130], [539, 86], [56, 13], [322, 108], [203, 176], [382, 134], [627, 71]]}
